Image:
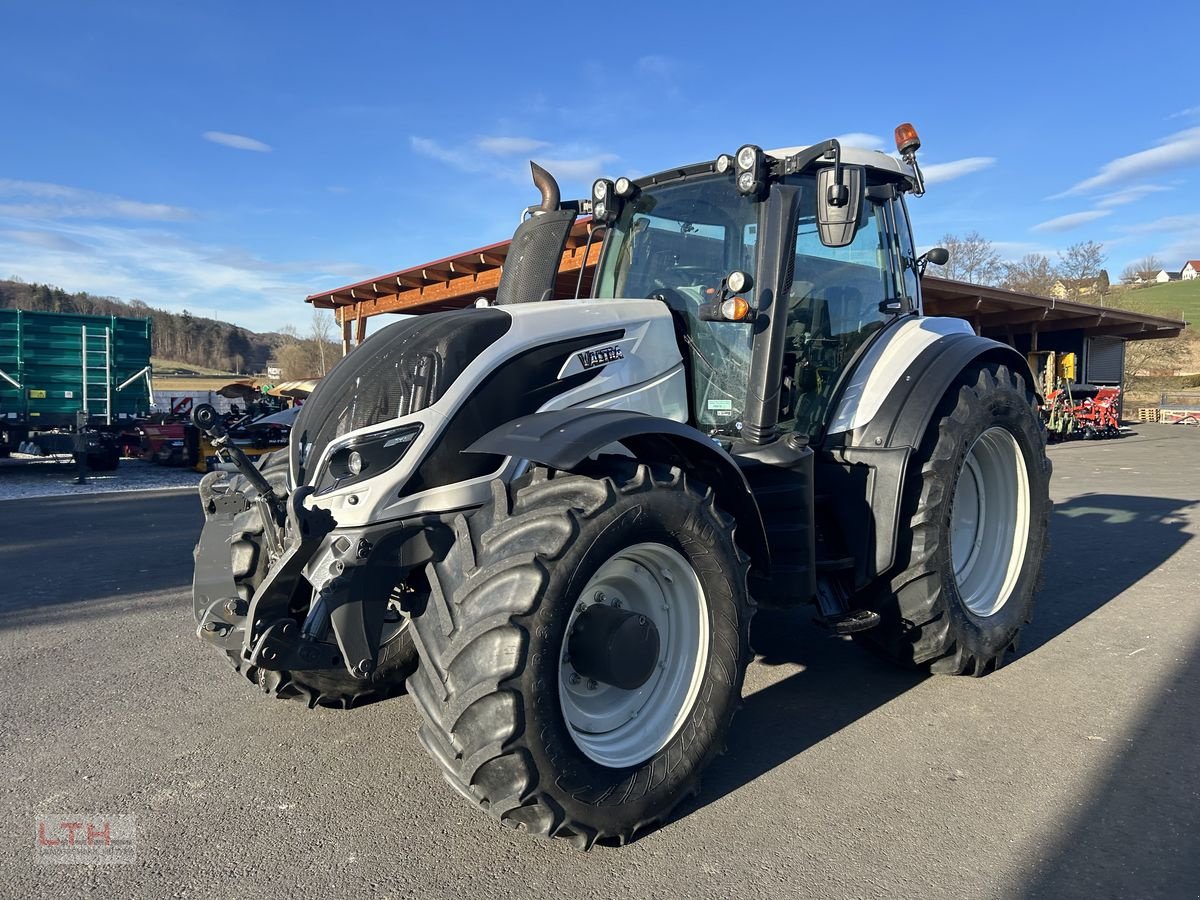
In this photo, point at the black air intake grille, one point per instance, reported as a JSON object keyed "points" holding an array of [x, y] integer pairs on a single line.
{"points": [[398, 371]]}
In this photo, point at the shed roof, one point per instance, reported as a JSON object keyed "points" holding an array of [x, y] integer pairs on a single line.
{"points": [[457, 281]]}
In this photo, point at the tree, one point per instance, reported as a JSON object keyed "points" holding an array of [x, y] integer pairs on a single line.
{"points": [[972, 258], [1080, 265], [1142, 270], [322, 335], [1032, 274]]}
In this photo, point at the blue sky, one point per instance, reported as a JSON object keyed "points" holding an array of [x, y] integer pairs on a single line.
{"points": [[232, 158]]}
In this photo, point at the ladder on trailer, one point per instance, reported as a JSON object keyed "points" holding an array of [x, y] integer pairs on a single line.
{"points": [[96, 344]]}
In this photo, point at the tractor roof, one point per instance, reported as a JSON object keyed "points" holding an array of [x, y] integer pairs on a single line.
{"points": [[854, 156]]}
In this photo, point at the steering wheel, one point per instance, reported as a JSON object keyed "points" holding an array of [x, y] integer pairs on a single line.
{"points": [[703, 275]]}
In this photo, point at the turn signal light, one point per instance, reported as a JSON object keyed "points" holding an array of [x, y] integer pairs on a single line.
{"points": [[735, 309], [906, 139]]}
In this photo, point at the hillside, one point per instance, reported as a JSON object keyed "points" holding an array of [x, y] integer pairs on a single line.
{"points": [[195, 341], [1173, 299]]}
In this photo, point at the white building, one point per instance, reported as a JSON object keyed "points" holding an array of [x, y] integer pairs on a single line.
{"points": [[1191, 269]]}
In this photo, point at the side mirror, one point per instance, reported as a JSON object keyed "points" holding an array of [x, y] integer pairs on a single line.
{"points": [[839, 204], [939, 256]]}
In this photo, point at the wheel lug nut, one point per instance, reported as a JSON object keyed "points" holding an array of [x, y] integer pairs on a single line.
{"points": [[591, 684], [617, 603], [599, 597], [574, 679]]}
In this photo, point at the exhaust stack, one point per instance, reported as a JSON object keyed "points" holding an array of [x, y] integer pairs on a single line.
{"points": [[531, 268]]}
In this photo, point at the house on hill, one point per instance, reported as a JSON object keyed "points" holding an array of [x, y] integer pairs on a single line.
{"points": [[1164, 276], [1191, 269], [1070, 288]]}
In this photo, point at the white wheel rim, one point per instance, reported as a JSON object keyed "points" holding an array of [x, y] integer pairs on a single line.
{"points": [[619, 728], [989, 522]]}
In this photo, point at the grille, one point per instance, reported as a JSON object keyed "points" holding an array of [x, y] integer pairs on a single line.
{"points": [[398, 371]]}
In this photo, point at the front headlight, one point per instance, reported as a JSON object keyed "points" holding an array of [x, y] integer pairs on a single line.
{"points": [[360, 458]]}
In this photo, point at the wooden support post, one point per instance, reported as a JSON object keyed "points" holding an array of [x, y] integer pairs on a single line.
{"points": [[360, 329], [345, 320], [1033, 333]]}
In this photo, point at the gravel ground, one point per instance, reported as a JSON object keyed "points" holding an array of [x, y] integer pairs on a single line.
{"points": [[24, 477], [1073, 772]]}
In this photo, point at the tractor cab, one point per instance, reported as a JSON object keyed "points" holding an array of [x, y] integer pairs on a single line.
{"points": [[820, 243]]}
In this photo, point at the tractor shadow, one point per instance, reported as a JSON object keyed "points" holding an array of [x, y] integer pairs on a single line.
{"points": [[1100, 544]]}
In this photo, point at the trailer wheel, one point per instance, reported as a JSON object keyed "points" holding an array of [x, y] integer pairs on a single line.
{"points": [[974, 520], [583, 649], [330, 688]]}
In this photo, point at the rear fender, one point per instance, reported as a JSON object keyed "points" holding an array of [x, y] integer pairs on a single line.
{"points": [[562, 439], [871, 461]]}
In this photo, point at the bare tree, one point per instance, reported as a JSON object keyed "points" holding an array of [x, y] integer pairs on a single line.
{"points": [[1142, 270], [972, 258], [1080, 266], [1032, 274], [322, 335]]}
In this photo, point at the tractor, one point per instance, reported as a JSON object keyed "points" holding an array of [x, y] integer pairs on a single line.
{"points": [[550, 521]]}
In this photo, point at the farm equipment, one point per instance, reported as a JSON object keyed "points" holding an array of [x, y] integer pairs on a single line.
{"points": [[551, 520], [61, 371], [1077, 411]]}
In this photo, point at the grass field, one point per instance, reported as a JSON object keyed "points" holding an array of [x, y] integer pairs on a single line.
{"points": [[1174, 299], [182, 368]]}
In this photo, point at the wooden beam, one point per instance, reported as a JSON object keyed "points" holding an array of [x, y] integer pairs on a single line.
{"points": [[1015, 317], [493, 258], [345, 331], [360, 329], [410, 281]]}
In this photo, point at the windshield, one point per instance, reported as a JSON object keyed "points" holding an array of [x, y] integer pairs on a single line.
{"points": [[677, 242]]}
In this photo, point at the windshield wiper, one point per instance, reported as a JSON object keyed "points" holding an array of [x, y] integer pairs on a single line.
{"points": [[687, 339]]}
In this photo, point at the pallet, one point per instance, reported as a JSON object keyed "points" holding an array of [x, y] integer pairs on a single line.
{"points": [[1179, 416], [1147, 413]]}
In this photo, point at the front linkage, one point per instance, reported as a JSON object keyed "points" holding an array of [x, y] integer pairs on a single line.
{"points": [[308, 621]]}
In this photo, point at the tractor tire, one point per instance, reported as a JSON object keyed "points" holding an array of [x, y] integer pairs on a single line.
{"points": [[496, 684], [973, 531], [329, 688]]}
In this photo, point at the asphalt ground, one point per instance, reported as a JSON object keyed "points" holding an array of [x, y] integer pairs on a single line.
{"points": [[1073, 772]]}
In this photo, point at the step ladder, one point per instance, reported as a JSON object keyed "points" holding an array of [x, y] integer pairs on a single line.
{"points": [[96, 344]]}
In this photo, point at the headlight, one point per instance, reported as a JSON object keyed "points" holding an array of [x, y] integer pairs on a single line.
{"points": [[366, 456]]}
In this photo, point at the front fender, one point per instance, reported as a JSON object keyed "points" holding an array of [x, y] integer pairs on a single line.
{"points": [[562, 439]]}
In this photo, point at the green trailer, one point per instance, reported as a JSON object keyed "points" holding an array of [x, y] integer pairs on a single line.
{"points": [[60, 369]]}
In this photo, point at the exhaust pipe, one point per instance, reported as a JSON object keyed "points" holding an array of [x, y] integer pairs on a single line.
{"points": [[531, 267], [548, 187]]}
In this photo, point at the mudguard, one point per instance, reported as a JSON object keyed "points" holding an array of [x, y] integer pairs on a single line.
{"points": [[871, 461], [562, 439]]}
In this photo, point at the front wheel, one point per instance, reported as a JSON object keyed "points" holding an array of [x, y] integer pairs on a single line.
{"points": [[973, 536], [583, 649]]}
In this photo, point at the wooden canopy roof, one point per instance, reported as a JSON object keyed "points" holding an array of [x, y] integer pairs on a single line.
{"points": [[458, 281]]}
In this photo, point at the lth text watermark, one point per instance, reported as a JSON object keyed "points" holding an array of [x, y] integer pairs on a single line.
{"points": [[84, 839]]}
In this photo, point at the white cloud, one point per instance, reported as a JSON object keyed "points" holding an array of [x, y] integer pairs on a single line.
{"points": [[563, 167], [236, 141], [1185, 113], [1130, 195], [861, 139], [1172, 152], [940, 173], [586, 168], [41, 200], [168, 271], [1071, 220], [1166, 223], [509, 146]]}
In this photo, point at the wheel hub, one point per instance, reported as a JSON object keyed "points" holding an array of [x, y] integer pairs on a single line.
{"points": [[614, 646]]}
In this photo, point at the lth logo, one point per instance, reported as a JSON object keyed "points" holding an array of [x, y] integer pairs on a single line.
{"points": [[85, 839], [95, 834]]}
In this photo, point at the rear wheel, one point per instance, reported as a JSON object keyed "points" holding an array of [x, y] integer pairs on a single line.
{"points": [[973, 531], [583, 649]]}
